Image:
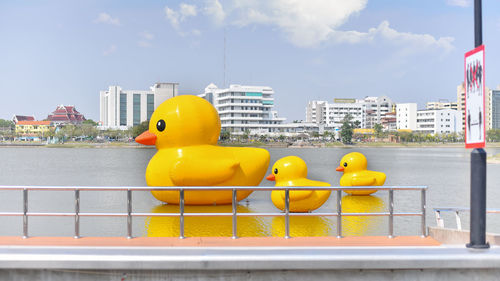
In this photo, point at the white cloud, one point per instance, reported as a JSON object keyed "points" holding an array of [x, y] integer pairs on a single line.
{"points": [[187, 10], [173, 17], [109, 50], [410, 42], [214, 10], [459, 3], [176, 17], [106, 18], [146, 38], [315, 22], [305, 23]]}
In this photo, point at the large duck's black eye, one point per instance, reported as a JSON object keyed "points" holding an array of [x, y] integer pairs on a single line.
{"points": [[345, 164], [276, 171], [160, 125]]}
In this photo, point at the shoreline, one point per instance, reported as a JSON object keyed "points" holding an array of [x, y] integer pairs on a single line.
{"points": [[494, 159]]}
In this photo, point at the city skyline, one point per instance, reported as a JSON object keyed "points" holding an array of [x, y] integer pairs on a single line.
{"points": [[61, 52]]}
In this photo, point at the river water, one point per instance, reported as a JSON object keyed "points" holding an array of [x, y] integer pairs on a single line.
{"points": [[445, 171]]}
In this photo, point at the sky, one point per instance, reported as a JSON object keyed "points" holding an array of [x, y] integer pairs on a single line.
{"points": [[64, 52]]}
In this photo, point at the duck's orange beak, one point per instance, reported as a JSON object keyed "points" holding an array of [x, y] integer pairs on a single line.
{"points": [[271, 177], [339, 169], [146, 138]]}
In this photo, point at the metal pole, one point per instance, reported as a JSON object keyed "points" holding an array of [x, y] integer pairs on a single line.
{"points": [[478, 23], [25, 211], [478, 199], [287, 213], [339, 213], [129, 214], [423, 202], [181, 218], [391, 213], [77, 214], [235, 227]]}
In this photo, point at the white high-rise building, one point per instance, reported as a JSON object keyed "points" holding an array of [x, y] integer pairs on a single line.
{"points": [[367, 112], [376, 108], [442, 121], [406, 116], [334, 113], [244, 108], [315, 111], [126, 108]]}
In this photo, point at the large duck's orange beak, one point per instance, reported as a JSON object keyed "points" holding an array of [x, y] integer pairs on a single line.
{"points": [[271, 177], [339, 169], [146, 138]]}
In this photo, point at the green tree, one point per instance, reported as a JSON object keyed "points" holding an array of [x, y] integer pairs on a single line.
{"points": [[6, 124], [356, 124], [378, 130], [346, 130], [89, 122], [139, 129], [225, 135], [315, 134]]}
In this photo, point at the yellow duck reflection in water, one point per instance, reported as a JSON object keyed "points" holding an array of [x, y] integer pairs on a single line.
{"points": [[362, 225], [251, 226], [205, 226]]}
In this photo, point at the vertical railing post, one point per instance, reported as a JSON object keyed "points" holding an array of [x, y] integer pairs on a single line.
{"points": [[423, 206], [129, 214], [181, 217], [391, 213], [339, 213], [287, 213], [77, 214], [235, 221], [25, 211]]}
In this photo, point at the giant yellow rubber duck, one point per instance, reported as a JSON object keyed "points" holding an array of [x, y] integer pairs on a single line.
{"points": [[185, 130], [355, 174], [292, 171]]}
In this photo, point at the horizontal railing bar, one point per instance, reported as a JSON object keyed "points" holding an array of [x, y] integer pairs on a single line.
{"points": [[452, 209], [156, 188], [70, 214]]}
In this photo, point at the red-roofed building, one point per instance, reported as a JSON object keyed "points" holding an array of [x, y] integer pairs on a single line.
{"points": [[18, 118], [66, 114]]}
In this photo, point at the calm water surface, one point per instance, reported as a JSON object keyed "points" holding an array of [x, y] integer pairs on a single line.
{"points": [[444, 170]]}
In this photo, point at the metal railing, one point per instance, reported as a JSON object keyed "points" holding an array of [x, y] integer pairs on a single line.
{"points": [[457, 211], [130, 214]]}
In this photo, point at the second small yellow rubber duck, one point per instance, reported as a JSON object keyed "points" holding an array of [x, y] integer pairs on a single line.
{"points": [[355, 174], [292, 171]]}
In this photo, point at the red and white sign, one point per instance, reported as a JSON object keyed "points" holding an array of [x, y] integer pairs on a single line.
{"points": [[475, 124]]}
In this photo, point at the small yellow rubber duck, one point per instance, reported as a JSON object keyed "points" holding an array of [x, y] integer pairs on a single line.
{"points": [[292, 171], [185, 130], [355, 174]]}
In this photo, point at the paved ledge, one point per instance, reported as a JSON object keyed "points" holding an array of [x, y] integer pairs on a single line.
{"points": [[365, 241]]}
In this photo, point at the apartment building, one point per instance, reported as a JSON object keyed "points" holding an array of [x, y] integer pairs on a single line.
{"points": [[244, 108], [441, 104], [443, 121], [406, 116]]}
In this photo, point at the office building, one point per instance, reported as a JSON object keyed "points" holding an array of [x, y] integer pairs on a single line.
{"points": [[332, 114], [244, 108], [406, 116], [441, 104], [365, 112], [487, 110], [376, 108], [126, 108], [495, 108], [444, 121]]}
